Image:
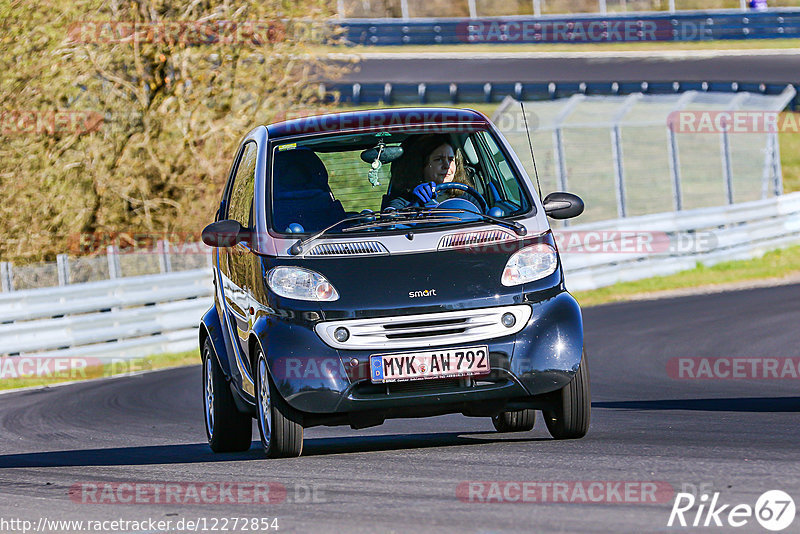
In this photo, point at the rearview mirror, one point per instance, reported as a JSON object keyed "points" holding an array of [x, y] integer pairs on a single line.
{"points": [[225, 233], [560, 205]]}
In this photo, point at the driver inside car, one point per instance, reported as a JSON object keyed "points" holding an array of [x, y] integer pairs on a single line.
{"points": [[427, 161]]}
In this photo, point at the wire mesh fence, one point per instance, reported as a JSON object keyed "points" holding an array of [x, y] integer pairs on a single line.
{"points": [[163, 258], [497, 8], [640, 154]]}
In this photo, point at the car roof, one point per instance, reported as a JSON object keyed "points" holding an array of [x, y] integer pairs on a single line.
{"points": [[378, 119]]}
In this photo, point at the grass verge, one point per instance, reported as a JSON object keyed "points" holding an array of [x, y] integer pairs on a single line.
{"points": [[776, 264], [88, 372]]}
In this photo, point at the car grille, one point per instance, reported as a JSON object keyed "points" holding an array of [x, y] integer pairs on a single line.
{"points": [[425, 330], [468, 239], [354, 248]]}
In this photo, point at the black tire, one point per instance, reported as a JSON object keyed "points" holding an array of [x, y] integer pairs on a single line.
{"points": [[283, 437], [518, 421], [569, 419], [227, 429]]}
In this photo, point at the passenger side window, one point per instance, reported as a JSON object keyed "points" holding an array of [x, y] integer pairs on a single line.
{"points": [[508, 182], [240, 204]]}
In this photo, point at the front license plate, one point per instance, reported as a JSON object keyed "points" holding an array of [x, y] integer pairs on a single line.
{"points": [[429, 364]]}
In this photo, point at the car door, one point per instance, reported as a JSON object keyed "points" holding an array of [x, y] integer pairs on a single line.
{"points": [[234, 261]]}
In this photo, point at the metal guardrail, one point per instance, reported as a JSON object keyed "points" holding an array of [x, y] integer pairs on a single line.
{"points": [[495, 92], [137, 316], [123, 317], [708, 235], [652, 26]]}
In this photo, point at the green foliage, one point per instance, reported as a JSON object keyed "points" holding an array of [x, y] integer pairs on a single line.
{"points": [[147, 121]]}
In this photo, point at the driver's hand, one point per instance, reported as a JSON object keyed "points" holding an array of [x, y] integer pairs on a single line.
{"points": [[425, 192]]}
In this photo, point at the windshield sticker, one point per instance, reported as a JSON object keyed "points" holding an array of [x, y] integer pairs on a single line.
{"points": [[290, 146]]}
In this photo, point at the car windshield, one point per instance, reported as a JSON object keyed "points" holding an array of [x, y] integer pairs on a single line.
{"points": [[319, 181]]}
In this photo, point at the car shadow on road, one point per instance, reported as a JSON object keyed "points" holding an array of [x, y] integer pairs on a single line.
{"points": [[392, 442], [200, 453], [736, 404]]}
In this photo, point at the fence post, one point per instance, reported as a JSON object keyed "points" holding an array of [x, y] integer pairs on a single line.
{"points": [[114, 271], [776, 164], [6, 276], [602, 6], [537, 8], [674, 168], [672, 6], [164, 261], [404, 9], [473, 10], [727, 170], [62, 264], [672, 147], [616, 146], [767, 179], [340, 8], [560, 163], [619, 173]]}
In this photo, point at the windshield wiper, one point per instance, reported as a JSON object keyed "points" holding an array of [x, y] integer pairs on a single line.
{"points": [[518, 228], [395, 221], [409, 214], [390, 214], [297, 248]]}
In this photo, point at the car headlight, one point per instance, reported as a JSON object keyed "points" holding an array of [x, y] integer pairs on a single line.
{"points": [[301, 284], [529, 264]]}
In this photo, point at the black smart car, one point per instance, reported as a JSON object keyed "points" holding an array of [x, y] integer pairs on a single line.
{"points": [[382, 264]]}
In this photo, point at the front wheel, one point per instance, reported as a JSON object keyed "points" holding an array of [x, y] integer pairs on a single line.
{"points": [[278, 424], [569, 417], [227, 429]]}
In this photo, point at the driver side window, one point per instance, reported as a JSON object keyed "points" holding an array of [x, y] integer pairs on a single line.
{"points": [[240, 204]]}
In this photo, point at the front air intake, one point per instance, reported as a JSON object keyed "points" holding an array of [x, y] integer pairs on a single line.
{"points": [[469, 239], [357, 248]]}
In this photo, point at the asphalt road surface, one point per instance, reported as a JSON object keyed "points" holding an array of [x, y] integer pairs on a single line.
{"points": [[736, 437], [779, 67]]}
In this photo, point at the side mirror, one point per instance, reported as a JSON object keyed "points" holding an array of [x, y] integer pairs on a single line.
{"points": [[225, 233], [560, 205]]}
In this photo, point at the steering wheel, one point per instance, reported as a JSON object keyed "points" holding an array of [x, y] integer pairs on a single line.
{"points": [[482, 205]]}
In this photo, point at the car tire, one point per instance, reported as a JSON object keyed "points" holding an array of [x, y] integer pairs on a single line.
{"points": [[227, 429], [279, 425], [517, 421], [569, 418]]}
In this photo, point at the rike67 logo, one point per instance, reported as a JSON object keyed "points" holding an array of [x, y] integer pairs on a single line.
{"points": [[774, 510]]}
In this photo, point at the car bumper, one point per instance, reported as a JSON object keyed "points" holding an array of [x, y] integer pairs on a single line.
{"points": [[318, 379]]}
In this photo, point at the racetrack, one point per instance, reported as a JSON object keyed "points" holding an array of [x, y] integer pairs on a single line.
{"points": [[740, 436], [764, 66]]}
